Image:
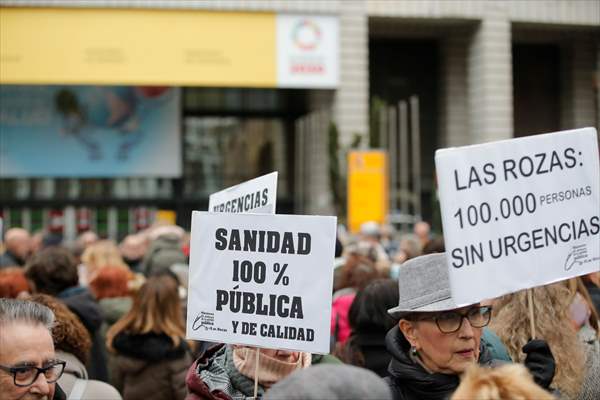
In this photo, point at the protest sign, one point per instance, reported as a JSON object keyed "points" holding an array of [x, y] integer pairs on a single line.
{"points": [[258, 195], [520, 213], [261, 280]]}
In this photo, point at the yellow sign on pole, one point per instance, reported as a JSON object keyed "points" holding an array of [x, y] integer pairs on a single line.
{"points": [[166, 216], [367, 187]]}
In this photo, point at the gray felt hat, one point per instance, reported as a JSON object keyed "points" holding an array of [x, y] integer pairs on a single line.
{"points": [[424, 286]]}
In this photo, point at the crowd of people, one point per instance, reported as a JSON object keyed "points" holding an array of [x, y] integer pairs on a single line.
{"points": [[94, 319]]}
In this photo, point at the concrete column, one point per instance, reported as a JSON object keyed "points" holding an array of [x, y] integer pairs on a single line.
{"points": [[584, 107], [578, 108], [489, 67], [351, 100], [454, 123]]}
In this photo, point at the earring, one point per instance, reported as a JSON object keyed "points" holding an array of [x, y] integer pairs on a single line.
{"points": [[413, 351]]}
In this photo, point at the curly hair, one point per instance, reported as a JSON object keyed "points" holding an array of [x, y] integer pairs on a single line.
{"points": [[551, 308], [68, 333], [510, 381]]}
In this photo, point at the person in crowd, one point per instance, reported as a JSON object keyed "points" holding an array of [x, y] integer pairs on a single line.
{"points": [[510, 381], [370, 235], [355, 275], [17, 247], [586, 323], [422, 230], [226, 372], [110, 287], [551, 304], [151, 355], [331, 382], [435, 341], [434, 245], [551, 310], [592, 284], [53, 271], [37, 241], [133, 248], [72, 344], [29, 367], [165, 249], [100, 254], [388, 240], [369, 322], [13, 283]]}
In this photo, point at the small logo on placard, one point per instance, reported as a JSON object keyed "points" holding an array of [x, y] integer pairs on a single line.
{"points": [[204, 319], [577, 256]]}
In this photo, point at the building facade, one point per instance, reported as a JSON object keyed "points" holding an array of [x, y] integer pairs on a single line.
{"points": [[481, 71]]}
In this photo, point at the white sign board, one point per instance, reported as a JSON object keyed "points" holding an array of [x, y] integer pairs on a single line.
{"points": [[307, 51], [261, 280], [258, 195], [520, 213]]}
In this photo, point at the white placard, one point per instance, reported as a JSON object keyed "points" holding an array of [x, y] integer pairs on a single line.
{"points": [[307, 51], [258, 195], [261, 280], [520, 213]]}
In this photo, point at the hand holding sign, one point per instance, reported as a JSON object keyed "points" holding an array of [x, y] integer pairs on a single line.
{"points": [[520, 213]]}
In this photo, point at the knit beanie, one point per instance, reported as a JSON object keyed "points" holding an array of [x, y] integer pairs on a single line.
{"points": [[271, 370]]}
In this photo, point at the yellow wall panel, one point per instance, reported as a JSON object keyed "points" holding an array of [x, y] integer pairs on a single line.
{"points": [[137, 47]]}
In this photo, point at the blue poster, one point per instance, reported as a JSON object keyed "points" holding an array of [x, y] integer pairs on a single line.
{"points": [[89, 131]]}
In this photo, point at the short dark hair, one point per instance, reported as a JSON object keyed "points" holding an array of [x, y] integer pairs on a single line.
{"points": [[52, 270]]}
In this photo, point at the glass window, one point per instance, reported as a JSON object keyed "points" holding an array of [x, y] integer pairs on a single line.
{"points": [[221, 152]]}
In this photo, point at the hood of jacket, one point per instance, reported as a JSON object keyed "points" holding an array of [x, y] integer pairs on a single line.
{"points": [[413, 380], [74, 366], [115, 307], [148, 347], [84, 305]]}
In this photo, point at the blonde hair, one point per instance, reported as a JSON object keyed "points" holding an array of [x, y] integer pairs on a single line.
{"points": [[551, 309], [103, 253], [156, 308], [510, 381]]}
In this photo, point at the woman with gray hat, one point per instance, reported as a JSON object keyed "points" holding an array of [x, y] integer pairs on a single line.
{"points": [[435, 341]]}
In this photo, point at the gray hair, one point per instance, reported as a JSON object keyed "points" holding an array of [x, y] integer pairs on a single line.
{"points": [[12, 310]]}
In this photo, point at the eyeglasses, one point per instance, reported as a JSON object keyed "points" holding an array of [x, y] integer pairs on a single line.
{"points": [[451, 321], [25, 375]]}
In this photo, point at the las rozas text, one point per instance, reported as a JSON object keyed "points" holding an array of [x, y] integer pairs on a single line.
{"points": [[514, 169]]}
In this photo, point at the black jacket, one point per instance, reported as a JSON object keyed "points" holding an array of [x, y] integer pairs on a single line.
{"points": [[409, 381], [148, 366], [83, 304]]}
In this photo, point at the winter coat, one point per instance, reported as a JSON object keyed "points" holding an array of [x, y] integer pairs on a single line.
{"points": [[75, 373], [214, 377], [83, 304], [340, 308], [149, 367], [8, 259], [114, 308], [409, 380], [163, 252], [494, 345]]}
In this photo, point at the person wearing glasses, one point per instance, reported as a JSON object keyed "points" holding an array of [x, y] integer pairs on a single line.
{"points": [[435, 341], [29, 368]]}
